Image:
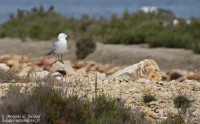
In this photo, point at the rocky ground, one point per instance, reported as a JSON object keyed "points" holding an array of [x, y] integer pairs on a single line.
{"points": [[129, 84], [178, 68]]}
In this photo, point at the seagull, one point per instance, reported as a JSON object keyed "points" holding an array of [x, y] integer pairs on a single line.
{"points": [[59, 47]]}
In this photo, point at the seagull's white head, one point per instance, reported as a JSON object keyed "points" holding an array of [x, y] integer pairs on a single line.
{"points": [[63, 36]]}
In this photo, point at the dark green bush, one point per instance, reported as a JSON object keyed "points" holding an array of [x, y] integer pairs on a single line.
{"points": [[182, 102], [148, 98], [170, 39], [84, 47], [2, 35], [196, 47], [125, 37]]}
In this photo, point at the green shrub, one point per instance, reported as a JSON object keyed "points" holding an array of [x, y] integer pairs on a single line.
{"points": [[148, 98], [2, 34], [125, 37], [170, 39], [196, 47], [182, 102]]}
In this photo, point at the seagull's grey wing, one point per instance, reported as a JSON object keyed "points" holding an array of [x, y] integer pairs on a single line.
{"points": [[54, 47]]}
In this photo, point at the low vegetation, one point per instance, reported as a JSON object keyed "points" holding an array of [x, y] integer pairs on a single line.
{"points": [[155, 29], [54, 107], [173, 119], [84, 46], [148, 98], [8, 76], [182, 102]]}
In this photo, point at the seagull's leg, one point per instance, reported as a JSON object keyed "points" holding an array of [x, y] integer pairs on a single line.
{"points": [[58, 57], [61, 59]]}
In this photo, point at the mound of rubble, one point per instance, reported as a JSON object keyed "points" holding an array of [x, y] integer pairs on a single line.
{"points": [[129, 84]]}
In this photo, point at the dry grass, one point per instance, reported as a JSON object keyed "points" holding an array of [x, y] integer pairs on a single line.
{"points": [[8, 76], [53, 106], [11, 76]]}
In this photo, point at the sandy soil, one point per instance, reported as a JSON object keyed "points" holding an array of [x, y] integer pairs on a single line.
{"points": [[113, 54]]}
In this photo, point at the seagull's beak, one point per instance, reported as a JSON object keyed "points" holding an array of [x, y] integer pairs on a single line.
{"points": [[68, 37]]}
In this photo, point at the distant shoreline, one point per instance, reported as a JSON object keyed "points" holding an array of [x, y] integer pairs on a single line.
{"points": [[95, 9]]}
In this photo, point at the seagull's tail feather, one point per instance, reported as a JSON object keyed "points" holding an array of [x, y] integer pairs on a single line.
{"points": [[49, 53]]}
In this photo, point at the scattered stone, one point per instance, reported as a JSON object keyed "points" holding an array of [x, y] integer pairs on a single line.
{"points": [[165, 77], [25, 59], [79, 64], [101, 75], [25, 72], [4, 67], [153, 115], [112, 70], [193, 76], [41, 74], [12, 62], [143, 80], [56, 74], [176, 74], [153, 103], [105, 82]]}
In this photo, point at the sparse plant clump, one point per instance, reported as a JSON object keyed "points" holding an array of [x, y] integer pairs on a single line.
{"points": [[8, 76], [182, 102], [84, 47], [173, 119], [52, 106], [148, 98], [11, 76]]}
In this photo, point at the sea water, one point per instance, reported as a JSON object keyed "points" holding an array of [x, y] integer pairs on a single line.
{"points": [[96, 8]]}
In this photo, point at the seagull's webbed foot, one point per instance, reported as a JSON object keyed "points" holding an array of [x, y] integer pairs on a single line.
{"points": [[61, 61]]}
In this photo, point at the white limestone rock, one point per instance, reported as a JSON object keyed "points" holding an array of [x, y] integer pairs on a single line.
{"points": [[41, 74], [144, 69], [66, 67], [25, 72], [4, 67]]}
